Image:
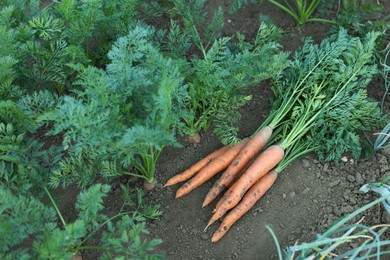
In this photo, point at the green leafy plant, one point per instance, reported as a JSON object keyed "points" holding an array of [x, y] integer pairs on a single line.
{"points": [[357, 16], [47, 42], [8, 61], [125, 114], [381, 142], [24, 165], [36, 104], [385, 73], [8, 90], [39, 47], [218, 81], [333, 242], [301, 11], [123, 235], [380, 187], [193, 16], [361, 17]]}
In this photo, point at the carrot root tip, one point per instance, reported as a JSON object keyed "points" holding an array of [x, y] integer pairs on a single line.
{"points": [[178, 196]]}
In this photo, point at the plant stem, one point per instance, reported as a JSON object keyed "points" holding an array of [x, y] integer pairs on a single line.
{"points": [[288, 9], [92, 247], [55, 207], [288, 103], [385, 73], [303, 13]]}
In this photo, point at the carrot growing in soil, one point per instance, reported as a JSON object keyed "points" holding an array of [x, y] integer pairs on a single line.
{"points": [[218, 164], [190, 172]]}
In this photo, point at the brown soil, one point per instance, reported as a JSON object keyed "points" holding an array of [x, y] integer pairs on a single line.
{"points": [[306, 198]]}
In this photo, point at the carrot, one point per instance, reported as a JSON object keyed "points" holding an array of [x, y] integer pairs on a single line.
{"points": [[243, 170], [265, 162], [250, 198], [190, 172], [219, 203], [215, 166], [255, 144]]}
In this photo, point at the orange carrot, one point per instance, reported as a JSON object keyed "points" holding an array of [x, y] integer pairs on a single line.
{"points": [[243, 170], [230, 191], [250, 198], [218, 164], [265, 162], [255, 144], [190, 172]]}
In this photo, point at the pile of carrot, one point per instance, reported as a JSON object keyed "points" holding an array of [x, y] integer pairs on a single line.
{"points": [[306, 95]]}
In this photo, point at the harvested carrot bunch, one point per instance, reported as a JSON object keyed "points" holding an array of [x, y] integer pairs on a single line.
{"points": [[321, 105]]}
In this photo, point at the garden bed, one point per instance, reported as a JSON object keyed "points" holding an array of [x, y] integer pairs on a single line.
{"points": [[307, 197]]}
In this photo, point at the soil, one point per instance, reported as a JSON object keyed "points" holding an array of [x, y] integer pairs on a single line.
{"points": [[307, 197]]}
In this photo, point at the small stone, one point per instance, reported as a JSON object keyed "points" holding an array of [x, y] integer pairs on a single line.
{"points": [[353, 201], [229, 21], [382, 159], [204, 236], [347, 209], [305, 191], [344, 159], [325, 167], [284, 196], [359, 178], [386, 217], [292, 194], [337, 211], [305, 163], [386, 150], [334, 183], [347, 195], [350, 178], [385, 168], [152, 225]]}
